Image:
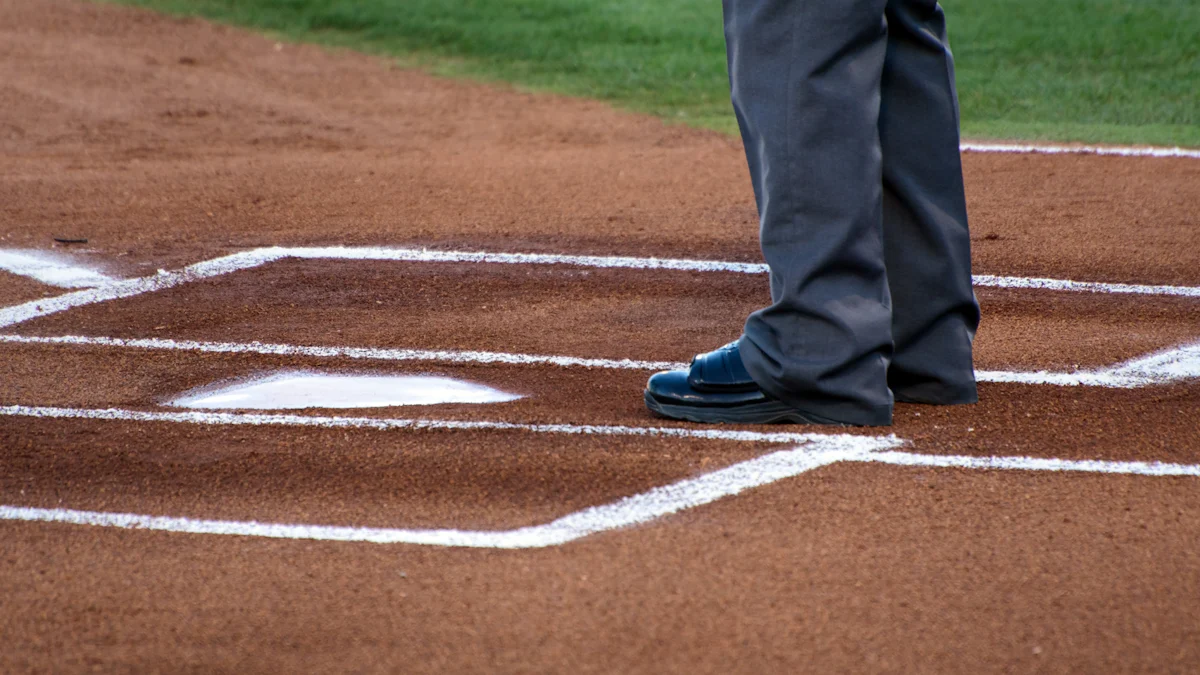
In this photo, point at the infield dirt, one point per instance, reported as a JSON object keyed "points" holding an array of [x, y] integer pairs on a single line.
{"points": [[167, 141]]}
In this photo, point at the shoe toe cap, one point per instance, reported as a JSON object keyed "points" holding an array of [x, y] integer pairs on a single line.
{"points": [[670, 385]]}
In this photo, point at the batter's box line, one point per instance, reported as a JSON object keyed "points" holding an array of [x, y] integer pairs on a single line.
{"points": [[244, 260], [817, 450], [1177, 364]]}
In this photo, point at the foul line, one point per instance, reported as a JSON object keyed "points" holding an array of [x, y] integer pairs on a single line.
{"points": [[1170, 365], [11, 316], [1051, 149], [638, 509]]}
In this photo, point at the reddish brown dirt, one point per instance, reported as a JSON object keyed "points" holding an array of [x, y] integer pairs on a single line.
{"points": [[1009, 420], [582, 312], [168, 141], [423, 480], [15, 290], [171, 140]]}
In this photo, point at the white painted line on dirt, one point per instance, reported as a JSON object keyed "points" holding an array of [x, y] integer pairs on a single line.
{"points": [[1030, 464], [249, 259], [638, 509], [1051, 149], [1171, 365], [1076, 379], [1165, 366], [51, 269], [1084, 286], [11, 316], [367, 353], [634, 510], [389, 424], [420, 255], [598, 261]]}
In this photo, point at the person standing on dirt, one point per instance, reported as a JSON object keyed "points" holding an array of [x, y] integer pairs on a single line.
{"points": [[849, 117]]}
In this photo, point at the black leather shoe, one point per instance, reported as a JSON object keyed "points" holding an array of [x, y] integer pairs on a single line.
{"points": [[717, 388]]}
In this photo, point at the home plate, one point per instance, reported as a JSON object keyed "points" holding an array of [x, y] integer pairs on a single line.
{"points": [[306, 389]]}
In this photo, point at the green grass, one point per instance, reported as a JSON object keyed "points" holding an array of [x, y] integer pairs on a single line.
{"points": [[1117, 71], [1094, 70]]}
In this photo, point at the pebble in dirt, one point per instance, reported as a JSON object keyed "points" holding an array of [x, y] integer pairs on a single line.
{"points": [[292, 390]]}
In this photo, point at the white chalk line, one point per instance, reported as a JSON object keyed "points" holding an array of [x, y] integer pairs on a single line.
{"points": [[412, 424], [1177, 364], [638, 509], [367, 353], [1165, 367], [1035, 283], [819, 449], [563, 529], [1054, 149], [1029, 464], [634, 510], [51, 269], [17, 314]]}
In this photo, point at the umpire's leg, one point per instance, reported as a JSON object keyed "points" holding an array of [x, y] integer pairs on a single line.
{"points": [[805, 78], [928, 251]]}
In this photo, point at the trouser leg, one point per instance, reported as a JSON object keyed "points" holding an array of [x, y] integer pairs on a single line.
{"points": [[805, 81], [926, 244]]}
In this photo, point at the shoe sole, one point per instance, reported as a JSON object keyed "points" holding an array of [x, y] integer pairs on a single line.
{"points": [[767, 412]]}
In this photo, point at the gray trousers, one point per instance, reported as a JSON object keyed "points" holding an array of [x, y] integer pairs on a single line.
{"points": [[849, 117]]}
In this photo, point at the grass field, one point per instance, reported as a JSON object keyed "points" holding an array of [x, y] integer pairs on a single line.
{"points": [[1117, 71]]}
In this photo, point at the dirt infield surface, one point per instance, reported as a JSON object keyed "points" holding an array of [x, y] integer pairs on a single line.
{"points": [[952, 546]]}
